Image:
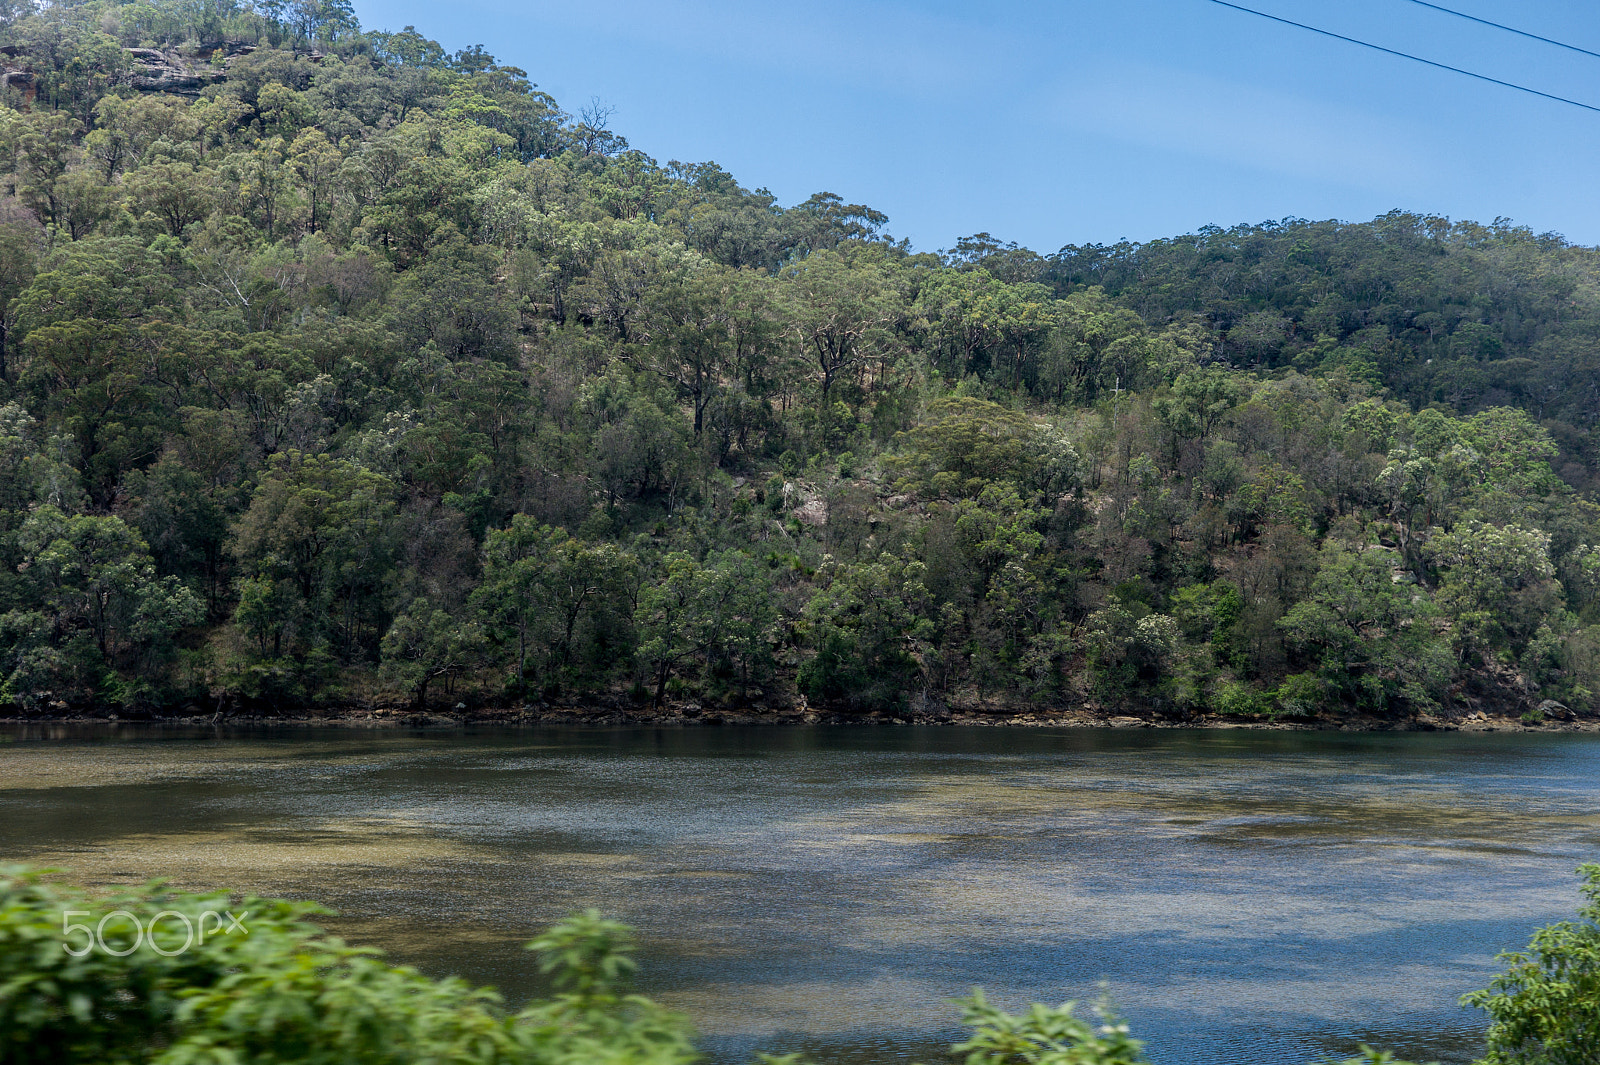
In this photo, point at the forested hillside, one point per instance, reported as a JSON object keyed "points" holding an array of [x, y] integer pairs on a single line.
{"points": [[337, 369]]}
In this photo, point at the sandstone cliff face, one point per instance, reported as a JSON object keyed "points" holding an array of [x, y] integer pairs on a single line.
{"points": [[13, 78], [157, 71], [149, 69]]}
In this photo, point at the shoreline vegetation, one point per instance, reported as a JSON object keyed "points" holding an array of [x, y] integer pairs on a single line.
{"points": [[339, 371], [693, 715], [287, 992]]}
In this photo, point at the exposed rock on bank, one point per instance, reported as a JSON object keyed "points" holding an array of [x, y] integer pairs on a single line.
{"points": [[155, 71], [179, 73], [624, 713]]}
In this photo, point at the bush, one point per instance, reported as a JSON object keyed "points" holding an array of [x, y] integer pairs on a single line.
{"points": [[1043, 1036], [1545, 1008], [288, 993], [1241, 700], [1301, 694]]}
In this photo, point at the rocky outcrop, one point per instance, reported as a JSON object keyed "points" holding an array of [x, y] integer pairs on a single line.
{"points": [[19, 80], [810, 509], [157, 71], [149, 69]]}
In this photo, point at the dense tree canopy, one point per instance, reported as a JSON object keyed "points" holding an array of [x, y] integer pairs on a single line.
{"points": [[334, 366]]}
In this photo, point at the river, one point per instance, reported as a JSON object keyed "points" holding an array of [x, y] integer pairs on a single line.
{"points": [[1242, 896]]}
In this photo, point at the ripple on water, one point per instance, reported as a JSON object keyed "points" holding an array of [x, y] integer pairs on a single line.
{"points": [[1243, 896]]}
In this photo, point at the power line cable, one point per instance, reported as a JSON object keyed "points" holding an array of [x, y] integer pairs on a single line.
{"points": [[1408, 55], [1508, 29]]}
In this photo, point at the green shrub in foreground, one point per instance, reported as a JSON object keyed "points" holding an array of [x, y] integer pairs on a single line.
{"points": [[1545, 1008], [286, 992]]}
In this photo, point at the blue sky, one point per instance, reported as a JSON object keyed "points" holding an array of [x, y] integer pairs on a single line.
{"points": [[1078, 121]]}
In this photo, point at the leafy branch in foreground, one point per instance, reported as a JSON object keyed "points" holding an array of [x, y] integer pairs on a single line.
{"points": [[1043, 1036], [286, 992], [1545, 1008]]}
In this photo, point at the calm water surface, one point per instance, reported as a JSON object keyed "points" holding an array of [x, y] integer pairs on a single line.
{"points": [[1254, 897]]}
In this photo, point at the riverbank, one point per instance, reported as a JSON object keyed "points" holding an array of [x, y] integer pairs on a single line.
{"points": [[1549, 717]]}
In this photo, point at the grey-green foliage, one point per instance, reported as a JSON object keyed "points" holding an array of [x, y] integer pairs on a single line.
{"points": [[1369, 636], [99, 604], [867, 624], [718, 610], [425, 644], [316, 543], [540, 587], [324, 334], [1495, 581]]}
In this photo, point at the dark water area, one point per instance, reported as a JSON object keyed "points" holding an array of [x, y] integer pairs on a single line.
{"points": [[1261, 897]]}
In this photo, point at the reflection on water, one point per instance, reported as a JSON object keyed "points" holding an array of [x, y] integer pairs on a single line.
{"points": [[1244, 896]]}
